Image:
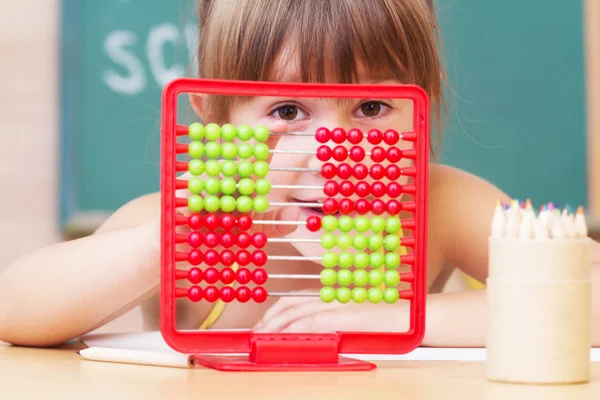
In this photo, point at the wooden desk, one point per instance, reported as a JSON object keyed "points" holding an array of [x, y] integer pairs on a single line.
{"points": [[60, 373]]}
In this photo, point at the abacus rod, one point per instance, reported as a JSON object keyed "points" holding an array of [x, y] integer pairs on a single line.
{"points": [[295, 294], [294, 169], [294, 276], [307, 187], [294, 258], [292, 240], [294, 204], [276, 222], [309, 152]]}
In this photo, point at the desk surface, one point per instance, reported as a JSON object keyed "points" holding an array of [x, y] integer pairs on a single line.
{"points": [[61, 373]]}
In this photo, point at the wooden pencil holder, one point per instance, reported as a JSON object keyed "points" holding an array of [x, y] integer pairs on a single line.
{"points": [[539, 311]]}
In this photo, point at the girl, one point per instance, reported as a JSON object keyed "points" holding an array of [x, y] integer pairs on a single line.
{"points": [[63, 291]]}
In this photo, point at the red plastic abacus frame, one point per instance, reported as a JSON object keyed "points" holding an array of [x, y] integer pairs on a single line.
{"points": [[272, 352]]}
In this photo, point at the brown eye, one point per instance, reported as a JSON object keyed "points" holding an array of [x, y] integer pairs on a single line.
{"points": [[287, 112], [370, 108]]}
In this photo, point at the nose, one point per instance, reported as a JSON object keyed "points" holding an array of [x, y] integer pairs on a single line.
{"points": [[334, 120]]}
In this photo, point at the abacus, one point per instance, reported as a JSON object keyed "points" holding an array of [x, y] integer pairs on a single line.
{"points": [[361, 227]]}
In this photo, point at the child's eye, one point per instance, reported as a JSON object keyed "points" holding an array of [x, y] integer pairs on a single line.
{"points": [[372, 109], [288, 112]]}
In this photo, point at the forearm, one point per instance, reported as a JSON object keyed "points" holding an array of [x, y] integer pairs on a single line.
{"points": [[65, 290]]}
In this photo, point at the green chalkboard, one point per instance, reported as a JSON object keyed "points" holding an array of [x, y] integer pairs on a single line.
{"points": [[515, 91]]}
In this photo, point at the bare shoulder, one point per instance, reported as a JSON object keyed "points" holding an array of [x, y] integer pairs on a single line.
{"points": [[136, 212]]}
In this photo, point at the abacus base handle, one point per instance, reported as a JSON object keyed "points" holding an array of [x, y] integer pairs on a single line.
{"points": [[243, 364]]}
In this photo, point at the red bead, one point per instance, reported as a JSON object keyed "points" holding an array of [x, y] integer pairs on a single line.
{"points": [[227, 276], [361, 171], [211, 257], [377, 171], [330, 206], [195, 239], [259, 276], [259, 258], [227, 239], [195, 257], [378, 189], [243, 275], [211, 239], [331, 188], [323, 153], [244, 222], [338, 135], [363, 189], [243, 257], [313, 223], [347, 188], [393, 207], [346, 206], [195, 294], [211, 294], [195, 275], [259, 294], [212, 221], [394, 189], [259, 240], [394, 154], [391, 137], [243, 294], [392, 172], [344, 171], [362, 206], [355, 136], [227, 258], [378, 154], [340, 153], [374, 136], [322, 135], [328, 171], [357, 154], [195, 221], [378, 207], [211, 275], [227, 294], [244, 240], [228, 222]]}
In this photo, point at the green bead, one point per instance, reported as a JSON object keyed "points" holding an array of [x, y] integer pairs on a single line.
{"points": [[229, 168], [344, 277], [392, 260], [196, 185], [329, 223], [212, 203], [375, 242], [328, 277], [245, 169], [375, 295], [391, 277], [391, 242], [361, 224], [196, 167], [212, 150], [212, 132], [244, 204], [228, 204], [329, 259], [246, 186], [261, 133], [375, 277], [229, 150], [344, 241], [245, 151], [361, 260], [343, 295], [261, 151], [213, 168], [195, 203], [377, 224], [346, 224], [327, 294], [360, 277], [376, 260], [260, 204], [212, 186], [196, 149], [391, 295], [196, 131], [261, 169], [245, 132], [359, 242], [359, 295], [262, 186], [345, 260], [228, 186], [393, 225], [228, 132], [328, 241]]}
